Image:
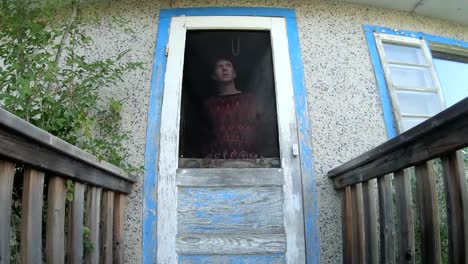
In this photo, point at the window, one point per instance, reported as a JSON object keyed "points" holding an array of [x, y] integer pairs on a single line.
{"points": [[452, 70], [422, 78], [228, 113]]}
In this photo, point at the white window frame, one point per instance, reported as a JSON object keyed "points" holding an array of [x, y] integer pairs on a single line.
{"points": [[381, 38]]}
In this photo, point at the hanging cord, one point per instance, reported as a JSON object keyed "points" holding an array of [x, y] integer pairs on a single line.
{"points": [[237, 52]]}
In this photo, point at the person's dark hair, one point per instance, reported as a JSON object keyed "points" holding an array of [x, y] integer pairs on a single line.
{"points": [[216, 59]]}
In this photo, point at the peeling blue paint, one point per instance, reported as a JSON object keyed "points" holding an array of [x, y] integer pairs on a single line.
{"points": [[205, 211], [381, 83], [305, 146], [379, 73], [150, 205], [233, 259], [231, 11]]}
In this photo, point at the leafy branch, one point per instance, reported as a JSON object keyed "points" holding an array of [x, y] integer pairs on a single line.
{"points": [[45, 80]]}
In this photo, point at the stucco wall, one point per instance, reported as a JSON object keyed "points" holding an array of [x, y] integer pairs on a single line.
{"points": [[343, 101]]}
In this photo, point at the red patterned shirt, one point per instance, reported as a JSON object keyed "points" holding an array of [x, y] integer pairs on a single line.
{"points": [[233, 126]]}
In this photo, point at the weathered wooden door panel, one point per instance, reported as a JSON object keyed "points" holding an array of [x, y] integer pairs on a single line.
{"points": [[229, 215], [233, 259]]}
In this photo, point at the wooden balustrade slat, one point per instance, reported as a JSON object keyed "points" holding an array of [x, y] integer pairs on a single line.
{"points": [[370, 222], [7, 173], [358, 207], [428, 213], [405, 220], [31, 217], [347, 224], [55, 230], [387, 240], [119, 209], [92, 222], [457, 206], [75, 237], [107, 218]]}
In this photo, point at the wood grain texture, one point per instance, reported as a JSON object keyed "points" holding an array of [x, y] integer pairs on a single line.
{"points": [[432, 128], [92, 222], [358, 208], [75, 237], [40, 137], [226, 22], [55, 230], [231, 244], [428, 213], [192, 163], [347, 225], [7, 174], [230, 211], [288, 136], [17, 148], [167, 192], [31, 217], [119, 214], [457, 206], [229, 177], [169, 143], [369, 197], [386, 219], [107, 221], [448, 138], [277, 258], [405, 217]]}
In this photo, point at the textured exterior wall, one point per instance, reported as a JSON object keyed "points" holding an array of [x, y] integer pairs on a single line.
{"points": [[343, 100]]}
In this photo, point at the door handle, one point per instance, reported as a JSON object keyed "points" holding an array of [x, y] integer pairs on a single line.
{"points": [[295, 150]]}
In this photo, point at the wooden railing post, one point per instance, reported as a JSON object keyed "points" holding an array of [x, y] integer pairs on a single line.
{"points": [[428, 212], [7, 173], [55, 233], [358, 208], [31, 217], [405, 220], [92, 222], [349, 237], [457, 206], [75, 235], [387, 240], [107, 213], [119, 209], [370, 221]]}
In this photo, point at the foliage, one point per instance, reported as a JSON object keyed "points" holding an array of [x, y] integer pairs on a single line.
{"points": [[88, 245], [46, 81]]}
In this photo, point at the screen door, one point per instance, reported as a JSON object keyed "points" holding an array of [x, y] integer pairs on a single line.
{"points": [[229, 186]]}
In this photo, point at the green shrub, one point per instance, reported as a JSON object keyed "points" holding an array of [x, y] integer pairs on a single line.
{"points": [[44, 79]]}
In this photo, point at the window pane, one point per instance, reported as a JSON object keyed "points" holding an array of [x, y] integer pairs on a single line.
{"points": [[410, 122], [401, 53], [411, 76], [418, 103], [453, 78], [228, 115]]}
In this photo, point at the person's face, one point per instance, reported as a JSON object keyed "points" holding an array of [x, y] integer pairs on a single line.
{"points": [[224, 71]]}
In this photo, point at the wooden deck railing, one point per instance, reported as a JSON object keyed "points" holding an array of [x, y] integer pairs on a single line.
{"points": [[99, 191], [439, 137]]}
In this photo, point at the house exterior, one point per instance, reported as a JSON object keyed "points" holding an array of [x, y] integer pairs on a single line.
{"points": [[340, 76]]}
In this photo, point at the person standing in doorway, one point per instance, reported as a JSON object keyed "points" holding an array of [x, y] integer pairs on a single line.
{"points": [[232, 115]]}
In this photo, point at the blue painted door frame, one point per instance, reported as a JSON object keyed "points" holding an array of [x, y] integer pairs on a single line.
{"points": [[150, 205]]}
